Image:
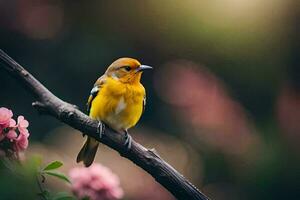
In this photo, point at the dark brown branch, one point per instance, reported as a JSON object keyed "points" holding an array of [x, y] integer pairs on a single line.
{"points": [[147, 159]]}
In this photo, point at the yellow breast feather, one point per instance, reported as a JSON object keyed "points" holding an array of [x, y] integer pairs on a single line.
{"points": [[119, 105]]}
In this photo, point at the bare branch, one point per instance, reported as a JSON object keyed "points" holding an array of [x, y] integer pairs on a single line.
{"points": [[147, 159]]}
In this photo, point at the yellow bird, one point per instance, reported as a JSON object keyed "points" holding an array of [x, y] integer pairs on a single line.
{"points": [[117, 99]]}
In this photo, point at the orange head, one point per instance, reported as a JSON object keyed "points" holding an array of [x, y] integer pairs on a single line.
{"points": [[126, 70]]}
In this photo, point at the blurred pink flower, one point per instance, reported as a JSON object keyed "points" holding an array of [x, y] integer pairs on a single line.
{"points": [[13, 136], [96, 182], [22, 124], [43, 20], [5, 118], [203, 103], [21, 142], [12, 123]]}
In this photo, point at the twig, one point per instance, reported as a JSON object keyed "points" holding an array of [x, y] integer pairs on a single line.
{"points": [[42, 195], [48, 103]]}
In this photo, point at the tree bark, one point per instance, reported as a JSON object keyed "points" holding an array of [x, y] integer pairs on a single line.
{"points": [[147, 159]]}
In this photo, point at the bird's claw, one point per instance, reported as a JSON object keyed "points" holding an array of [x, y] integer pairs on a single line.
{"points": [[101, 129], [128, 141]]}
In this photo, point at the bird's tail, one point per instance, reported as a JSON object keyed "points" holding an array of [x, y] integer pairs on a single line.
{"points": [[88, 151]]}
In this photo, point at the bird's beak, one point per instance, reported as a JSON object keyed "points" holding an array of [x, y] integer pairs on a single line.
{"points": [[143, 67]]}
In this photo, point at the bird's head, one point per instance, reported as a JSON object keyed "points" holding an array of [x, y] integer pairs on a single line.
{"points": [[126, 70]]}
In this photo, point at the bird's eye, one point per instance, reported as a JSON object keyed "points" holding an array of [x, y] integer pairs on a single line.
{"points": [[127, 68]]}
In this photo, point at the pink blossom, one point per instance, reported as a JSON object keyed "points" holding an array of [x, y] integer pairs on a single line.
{"points": [[21, 142], [96, 182], [12, 123], [12, 134], [5, 117], [22, 124]]}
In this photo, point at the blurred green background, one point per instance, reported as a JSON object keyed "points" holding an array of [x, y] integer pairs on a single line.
{"points": [[223, 101]]}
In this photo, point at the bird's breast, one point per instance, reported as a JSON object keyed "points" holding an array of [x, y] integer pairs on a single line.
{"points": [[119, 106]]}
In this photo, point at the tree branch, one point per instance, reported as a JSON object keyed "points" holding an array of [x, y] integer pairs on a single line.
{"points": [[147, 159]]}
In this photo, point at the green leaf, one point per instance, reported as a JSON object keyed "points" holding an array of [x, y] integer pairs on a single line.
{"points": [[53, 165], [58, 175], [63, 196]]}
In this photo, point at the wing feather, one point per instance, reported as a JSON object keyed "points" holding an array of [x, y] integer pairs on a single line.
{"points": [[94, 92]]}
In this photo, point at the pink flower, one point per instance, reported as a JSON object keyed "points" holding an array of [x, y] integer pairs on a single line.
{"points": [[21, 142], [96, 182], [22, 124], [13, 136], [12, 123], [5, 118]]}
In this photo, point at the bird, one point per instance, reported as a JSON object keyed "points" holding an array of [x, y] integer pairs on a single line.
{"points": [[117, 100]]}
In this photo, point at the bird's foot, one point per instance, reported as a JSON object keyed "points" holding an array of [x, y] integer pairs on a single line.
{"points": [[101, 129], [128, 140]]}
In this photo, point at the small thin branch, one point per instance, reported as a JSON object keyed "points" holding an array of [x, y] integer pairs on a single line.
{"points": [[41, 194], [48, 103]]}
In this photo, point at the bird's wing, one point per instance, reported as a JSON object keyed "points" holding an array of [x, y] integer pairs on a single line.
{"points": [[95, 90]]}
